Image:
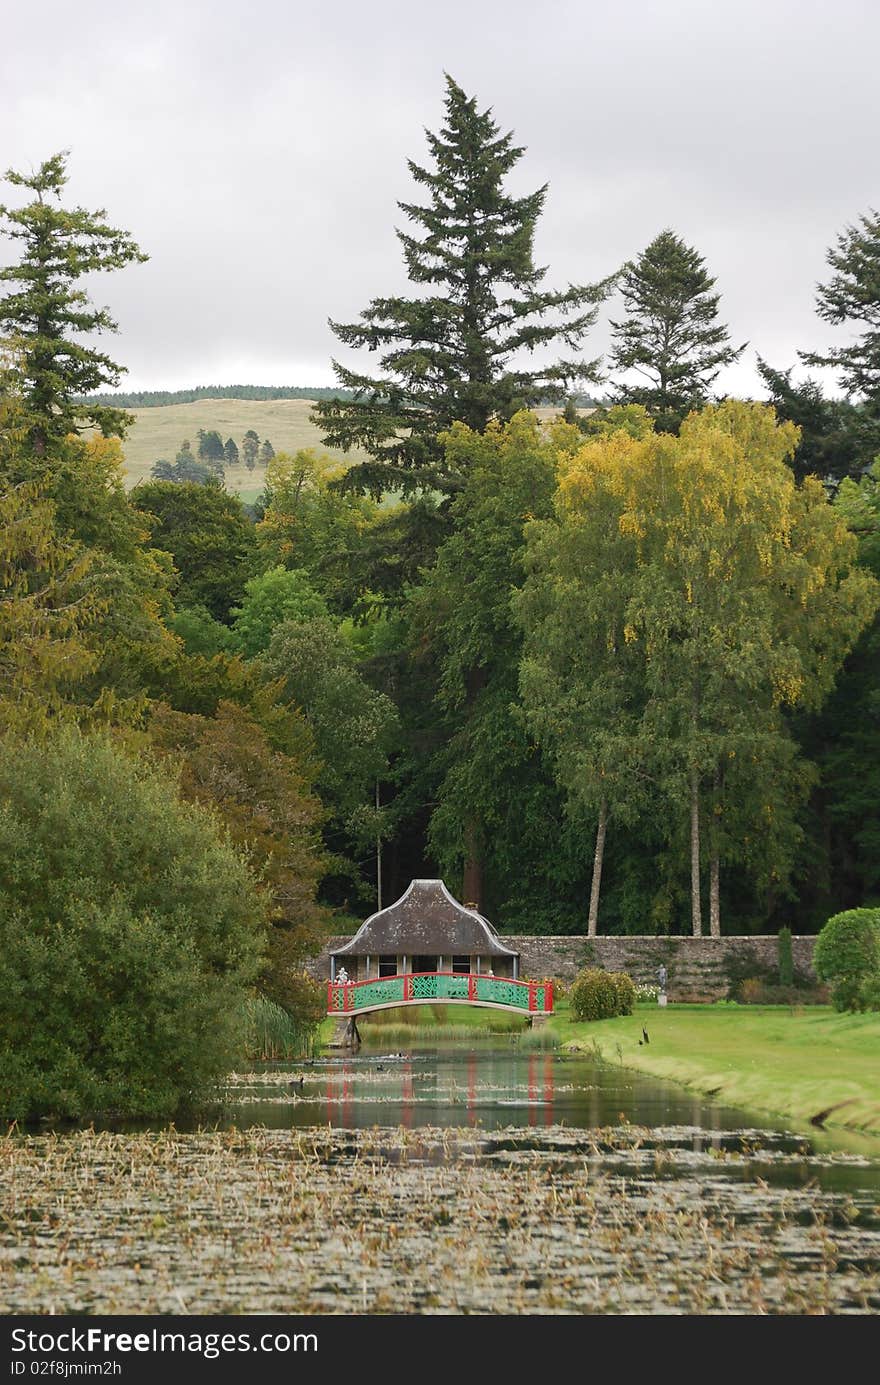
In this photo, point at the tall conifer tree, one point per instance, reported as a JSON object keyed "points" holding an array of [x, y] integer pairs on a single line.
{"points": [[454, 354], [671, 338], [852, 298], [43, 321]]}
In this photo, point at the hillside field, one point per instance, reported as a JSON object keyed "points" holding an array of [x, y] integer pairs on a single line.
{"points": [[158, 432]]}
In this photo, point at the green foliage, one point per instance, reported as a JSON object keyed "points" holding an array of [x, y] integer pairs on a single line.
{"points": [[76, 560], [250, 444], [449, 355], [307, 524], [273, 1033], [44, 654], [753, 990], [129, 933], [271, 600], [600, 995], [44, 321], [851, 299], [157, 399], [201, 633], [210, 446], [354, 726], [183, 469], [671, 338], [496, 808], [209, 537], [837, 437], [847, 956], [626, 992], [786, 960], [741, 965], [685, 592]]}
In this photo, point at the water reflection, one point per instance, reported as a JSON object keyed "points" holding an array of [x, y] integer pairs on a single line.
{"points": [[492, 1087]]}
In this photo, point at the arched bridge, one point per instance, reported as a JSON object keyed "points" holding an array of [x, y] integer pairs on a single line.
{"points": [[351, 998]]}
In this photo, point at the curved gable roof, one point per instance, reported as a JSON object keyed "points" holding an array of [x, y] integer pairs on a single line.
{"points": [[426, 919]]}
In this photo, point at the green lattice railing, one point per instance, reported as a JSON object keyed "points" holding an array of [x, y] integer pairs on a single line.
{"points": [[353, 997]]}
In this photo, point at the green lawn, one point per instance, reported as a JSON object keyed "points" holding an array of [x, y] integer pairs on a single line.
{"points": [[793, 1063]]}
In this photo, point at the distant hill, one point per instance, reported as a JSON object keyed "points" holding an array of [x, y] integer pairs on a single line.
{"points": [[157, 399], [159, 430], [281, 416]]}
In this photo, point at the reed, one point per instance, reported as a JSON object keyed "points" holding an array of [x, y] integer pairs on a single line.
{"points": [[272, 1033]]}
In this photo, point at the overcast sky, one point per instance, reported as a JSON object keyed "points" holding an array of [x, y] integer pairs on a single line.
{"points": [[257, 152]]}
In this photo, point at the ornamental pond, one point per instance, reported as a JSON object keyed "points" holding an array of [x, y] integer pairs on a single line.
{"points": [[477, 1176]]}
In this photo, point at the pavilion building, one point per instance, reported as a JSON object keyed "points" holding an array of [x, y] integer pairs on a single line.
{"points": [[426, 930]]}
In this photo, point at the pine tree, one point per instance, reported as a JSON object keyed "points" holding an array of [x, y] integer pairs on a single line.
{"points": [[250, 444], [267, 452], [671, 338], [230, 452], [454, 354], [210, 446], [43, 322], [852, 298], [838, 438]]}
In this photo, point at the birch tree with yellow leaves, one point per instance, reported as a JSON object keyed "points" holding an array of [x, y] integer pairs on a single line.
{"points": [[731, 596]]}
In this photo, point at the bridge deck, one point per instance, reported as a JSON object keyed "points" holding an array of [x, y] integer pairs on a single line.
{"points": [[439, 987]]}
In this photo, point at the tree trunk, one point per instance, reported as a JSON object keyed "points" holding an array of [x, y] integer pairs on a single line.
{"points": [[696, 908], [472, 883], [715, 867], [598, 856], [714, 897]]}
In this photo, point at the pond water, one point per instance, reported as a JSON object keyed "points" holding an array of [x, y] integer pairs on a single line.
{"points": [[492, 1085], [478, 1177]]}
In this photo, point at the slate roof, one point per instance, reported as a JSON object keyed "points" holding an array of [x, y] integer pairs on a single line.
{"points": [[424, 920]]}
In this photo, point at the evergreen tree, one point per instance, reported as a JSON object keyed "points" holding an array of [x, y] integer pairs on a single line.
{"points": [[43, 321], [851, 298], [267, 452], [210, 446], [671, 337], [249, 447], [453, 355], [230, 452], [838, 438]]}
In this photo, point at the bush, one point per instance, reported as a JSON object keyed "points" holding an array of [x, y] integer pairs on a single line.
{"points": [[600, 995], [753, 991], [129, 935], [626, 992], [742, 964], [847, 956], [785, 957]]}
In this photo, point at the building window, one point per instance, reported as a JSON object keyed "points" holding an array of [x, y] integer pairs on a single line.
{"points": [[461, 965], [387, 966]]}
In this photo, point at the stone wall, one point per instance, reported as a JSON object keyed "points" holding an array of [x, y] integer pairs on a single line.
{"points": [[695, 966]]}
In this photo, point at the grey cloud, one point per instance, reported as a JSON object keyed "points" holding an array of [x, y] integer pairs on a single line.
{"points": [[258, 153]]}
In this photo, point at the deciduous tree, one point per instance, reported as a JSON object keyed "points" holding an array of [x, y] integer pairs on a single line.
{"points": [[739, 599]]}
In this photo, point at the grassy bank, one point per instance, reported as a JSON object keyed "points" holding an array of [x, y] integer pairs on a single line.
{"points": [[796, 1064], [434, 1023]]}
